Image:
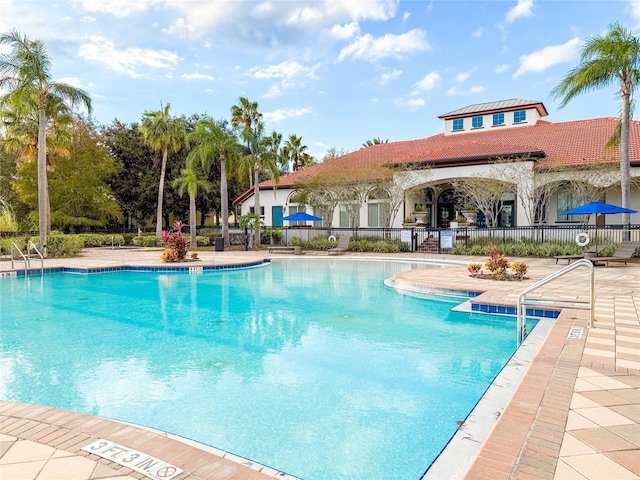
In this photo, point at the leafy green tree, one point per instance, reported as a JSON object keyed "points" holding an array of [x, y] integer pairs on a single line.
{"points": [[136, 186], [273, 144], [212, 143], [26, 73], [189, 181], [79, 194], [612, 59], [165, 133]]}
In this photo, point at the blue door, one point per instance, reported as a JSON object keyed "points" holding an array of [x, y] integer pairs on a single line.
{"points": [[276, 214]]}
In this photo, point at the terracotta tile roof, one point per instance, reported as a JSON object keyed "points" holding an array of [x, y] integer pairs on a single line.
{"points": [[560, 145]]}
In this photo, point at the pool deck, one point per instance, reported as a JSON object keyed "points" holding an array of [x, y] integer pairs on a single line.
{"points": [[575, 414]]}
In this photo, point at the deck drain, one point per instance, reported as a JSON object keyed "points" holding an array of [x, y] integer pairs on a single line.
{"points": [[575, 333]]}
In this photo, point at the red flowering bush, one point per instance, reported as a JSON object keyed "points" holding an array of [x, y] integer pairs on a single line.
{"points": [[176, 242]]}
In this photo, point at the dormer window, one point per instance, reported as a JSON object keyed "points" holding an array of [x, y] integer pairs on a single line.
{"points": [[458, 124], [498, 119], [520, 116], [476, 122]]}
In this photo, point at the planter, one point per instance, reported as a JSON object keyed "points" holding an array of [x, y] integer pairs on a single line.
{"points": [[470, 215], [420, 217]]}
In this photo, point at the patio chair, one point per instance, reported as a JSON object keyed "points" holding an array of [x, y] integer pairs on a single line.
{"points": [[343, 244], [623, 254], [591, 252]]}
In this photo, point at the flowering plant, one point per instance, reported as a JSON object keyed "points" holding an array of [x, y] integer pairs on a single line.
{"points": [[176, 243], [474, 268], [519, 268]]}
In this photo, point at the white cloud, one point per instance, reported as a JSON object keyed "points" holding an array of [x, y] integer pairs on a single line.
{"points": [[371, 49], [478, 32], [387, 77], [344, 32], [257, 22], [634, 10], [462, 77], [126, 60], [412, 103], [274, 91], [196, 76], [405, 16], [471, 91], [548, 56], [280, 114], [287, 70], [524, 8], [429, 82], [501, 68], [73, 81], [117, 8]]}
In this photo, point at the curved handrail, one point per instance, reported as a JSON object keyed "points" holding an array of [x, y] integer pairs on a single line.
{"points": [[31, 245], [25, 259], [522, 313]]}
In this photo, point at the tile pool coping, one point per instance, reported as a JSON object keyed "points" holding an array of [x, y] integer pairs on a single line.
{"points": [[521, 445]]}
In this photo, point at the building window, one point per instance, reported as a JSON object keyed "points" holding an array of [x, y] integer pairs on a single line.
{"points": [[252, 210], [520, 116], [295, 209], [458, 124], [476, 122], [498, 119], [567, 201]]}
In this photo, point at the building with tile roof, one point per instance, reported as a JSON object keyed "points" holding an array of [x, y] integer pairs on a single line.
{"points": [[545, 167]]}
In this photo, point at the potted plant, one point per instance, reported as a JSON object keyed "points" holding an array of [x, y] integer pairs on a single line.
{"points": [[470, 213], [420, 214]]}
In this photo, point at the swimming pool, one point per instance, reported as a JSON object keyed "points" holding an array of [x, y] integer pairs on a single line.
{"points": [[311, 367]]}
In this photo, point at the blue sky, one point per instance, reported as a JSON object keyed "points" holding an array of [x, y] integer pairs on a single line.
{"points": [[336, 72]]}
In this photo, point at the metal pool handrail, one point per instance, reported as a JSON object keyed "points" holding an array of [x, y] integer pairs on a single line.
{"points": [[30, 246], [25, 259], [523, 302]]}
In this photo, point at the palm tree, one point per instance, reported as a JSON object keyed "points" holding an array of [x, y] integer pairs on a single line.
{"points": [[26, 73], [375, 141], [188, 181], [606, 60], [295, 151], [246, 116], [213, 142], [272, 143], [165, 133]]}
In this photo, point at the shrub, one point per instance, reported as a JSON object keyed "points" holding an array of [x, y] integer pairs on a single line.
{"points": [[59, 245], [519, 268], [474, 268], [145, 241], [497, 263], [176, 243], [203, 240]]}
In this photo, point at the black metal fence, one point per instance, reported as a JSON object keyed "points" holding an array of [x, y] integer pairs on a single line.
{"points": [[442, 240]]}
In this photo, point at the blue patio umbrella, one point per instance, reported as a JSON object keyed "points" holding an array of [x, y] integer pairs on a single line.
{"points": [[301, 217], [597, 208]]}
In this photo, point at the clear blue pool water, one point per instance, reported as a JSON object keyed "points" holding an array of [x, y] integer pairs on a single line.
{"points": [[311, 367]]}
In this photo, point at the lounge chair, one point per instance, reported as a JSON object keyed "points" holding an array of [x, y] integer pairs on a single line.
{"points": [[623, 254], [591, 252], [343, 244]]}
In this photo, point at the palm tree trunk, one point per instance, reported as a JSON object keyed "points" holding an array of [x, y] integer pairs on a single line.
{"points": [[43, 197], [256, 205], [224, 202], [192, 220], [163, 169], [625, 169]]}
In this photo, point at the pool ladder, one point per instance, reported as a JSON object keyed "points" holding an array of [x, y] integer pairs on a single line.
{"points": [[524, 301], [27, 258]]}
